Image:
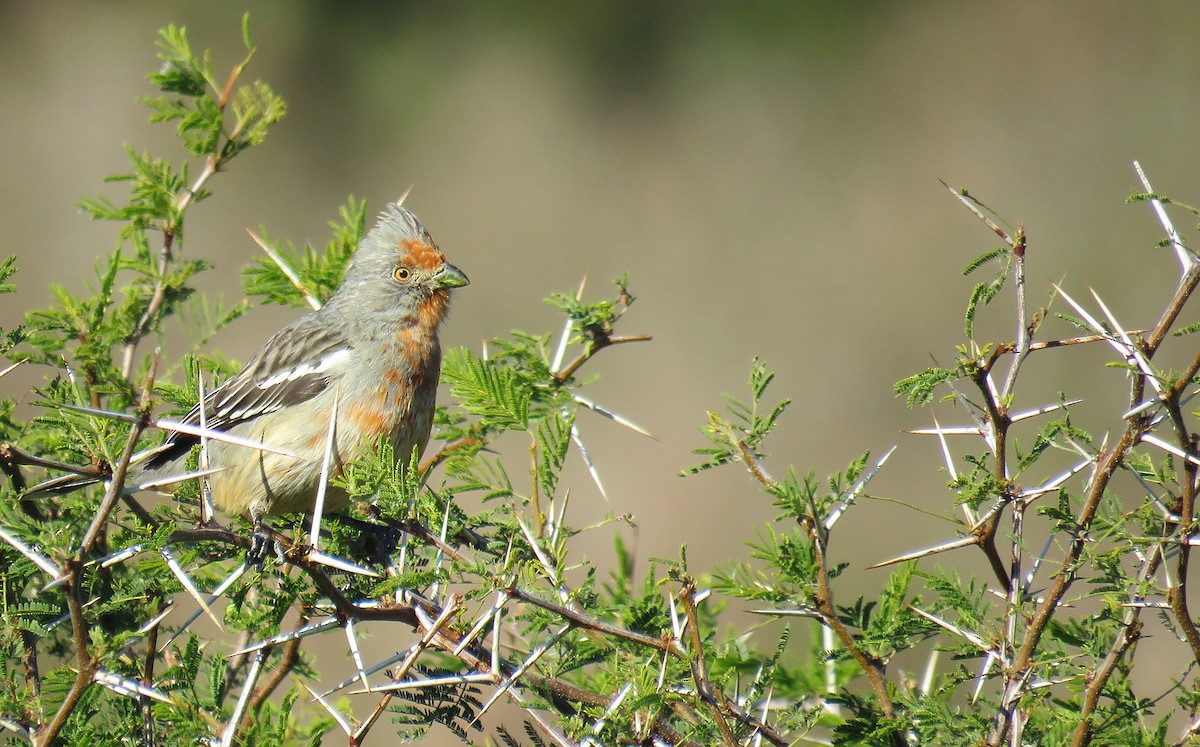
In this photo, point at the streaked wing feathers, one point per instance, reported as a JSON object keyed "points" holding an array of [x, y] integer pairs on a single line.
{"points": [[293, 366]]}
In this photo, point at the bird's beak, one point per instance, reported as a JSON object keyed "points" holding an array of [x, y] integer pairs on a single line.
{"points": [[449, 277]]}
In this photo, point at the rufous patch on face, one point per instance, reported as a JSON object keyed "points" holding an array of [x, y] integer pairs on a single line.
{"points": [[422, 256], [433, 310]]}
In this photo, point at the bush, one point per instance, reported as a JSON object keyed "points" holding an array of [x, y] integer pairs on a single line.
{"points": [[1088, 542]]}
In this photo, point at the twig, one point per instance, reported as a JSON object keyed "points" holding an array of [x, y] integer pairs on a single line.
{"points": [[601, 342], [1106, 467], [591, 623], [1177, 591], [116, 483], [1024, 331], [823, 595], [446, 449], [87, 664], [212, 164], [151, 656], [1127, 636], [288, 658], [687, 595], [1068, 568]]}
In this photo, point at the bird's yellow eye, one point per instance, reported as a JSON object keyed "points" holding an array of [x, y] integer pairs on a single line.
{"points": [[402, 273]]}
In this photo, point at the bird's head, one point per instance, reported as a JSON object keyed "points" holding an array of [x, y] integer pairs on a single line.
{"points": [[399, 271]]}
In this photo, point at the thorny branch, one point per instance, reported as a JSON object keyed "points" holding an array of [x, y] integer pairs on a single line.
{"points": [[170, 231], [87, 663], [593, 347], [687, 595], [1017, 676], [408, 608], [1028, 617], [875, 669]]}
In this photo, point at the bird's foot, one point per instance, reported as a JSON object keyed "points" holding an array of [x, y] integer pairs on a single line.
{"points": [[264, 542]]}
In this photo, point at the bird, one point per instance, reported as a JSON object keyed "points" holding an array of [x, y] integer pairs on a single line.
{"points": [[370, 358]]}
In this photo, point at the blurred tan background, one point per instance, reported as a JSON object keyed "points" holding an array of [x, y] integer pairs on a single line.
{"points": [[767, 173]]}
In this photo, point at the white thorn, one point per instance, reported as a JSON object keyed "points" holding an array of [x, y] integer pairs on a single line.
{"points": [[243, 699], [1185, 257], [314, 534], [188, 586]]}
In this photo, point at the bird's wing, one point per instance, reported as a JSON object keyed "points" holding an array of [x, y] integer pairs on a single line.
{"points": [[293, 366]]}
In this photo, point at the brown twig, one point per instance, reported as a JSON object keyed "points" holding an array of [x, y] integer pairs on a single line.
{"points": [[11, 467], [116, 485], [11, 455], [1105, 469], [600, 343], [1010, 347], [1024, 328], [1000, 421], [212, 164], [1068, 568], [704, 688], [823, 597], [147, 705], [48, 733], [446, 449], [417, 529], [1126, 638], [1177, 593], [87, 664], [591, 623], [29, 663], [1187, 285], [288, 658]]}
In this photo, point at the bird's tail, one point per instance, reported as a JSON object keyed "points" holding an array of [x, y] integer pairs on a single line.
{"points": [[144, 465], [60, 485]]}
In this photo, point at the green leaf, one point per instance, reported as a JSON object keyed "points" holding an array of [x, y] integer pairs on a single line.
{"points": [[1188, 330], [247, 41], [182, 72], [554, 439], [918, 388], [8, 268], [319, 273], [493, 392], [256, 108], [983, 259]]}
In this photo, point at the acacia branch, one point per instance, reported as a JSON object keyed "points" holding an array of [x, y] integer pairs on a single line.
{"points": [[598, 344], [823, 595], [1105, 469], [1177, 593], [1024, 329], [288, 659], [212, 164], [1130, 633], [1187, 285], [704, 688], [48, 734], [591, 623], [148, 662], [116, 483], [88, 664]]}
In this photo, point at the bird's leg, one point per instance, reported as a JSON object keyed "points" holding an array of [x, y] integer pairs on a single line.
{"points": [[260, 540]]}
